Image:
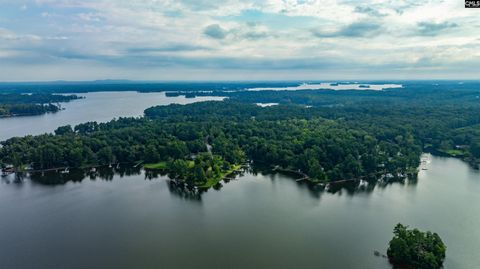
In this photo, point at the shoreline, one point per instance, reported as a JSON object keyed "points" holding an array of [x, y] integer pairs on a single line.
{"points": [[225, 175]]}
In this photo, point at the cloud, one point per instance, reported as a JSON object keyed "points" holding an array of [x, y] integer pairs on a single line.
{"points": [[215, 31], [11, 36], [369, 11], [89, 17], [201, 4], [250, 31], [168, 48], [253, 37], [432, 29], [356, 29]]}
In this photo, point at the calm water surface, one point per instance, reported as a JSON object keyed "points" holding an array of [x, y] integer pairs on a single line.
{"points": [[98, 106], [256, 221], [332, 86]]}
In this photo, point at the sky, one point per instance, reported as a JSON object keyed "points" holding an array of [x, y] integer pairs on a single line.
{"points": [[43, 40]]}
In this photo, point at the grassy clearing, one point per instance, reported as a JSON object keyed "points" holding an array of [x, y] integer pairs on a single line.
{"points": [[191, 164], [212, 181], [452, 152], [164, 165], [455, 152], [156, 166]]}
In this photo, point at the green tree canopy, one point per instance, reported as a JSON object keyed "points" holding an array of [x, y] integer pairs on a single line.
{"points": [[416, 249]]}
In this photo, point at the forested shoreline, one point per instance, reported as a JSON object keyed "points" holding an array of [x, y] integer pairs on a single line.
{"points": [[292, 137], [15, 104], [326, 135]]}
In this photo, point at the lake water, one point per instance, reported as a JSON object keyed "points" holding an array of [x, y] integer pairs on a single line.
{"points": [[266, 104], [255, 221], [97, 106], [332, 86]]}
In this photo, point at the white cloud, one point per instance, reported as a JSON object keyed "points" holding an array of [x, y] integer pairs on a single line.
{"points": [[308, 36]]}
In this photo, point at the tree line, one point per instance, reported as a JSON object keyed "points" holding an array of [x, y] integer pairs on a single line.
{"points": [[444, 116], [15, 104], [291, 137]]}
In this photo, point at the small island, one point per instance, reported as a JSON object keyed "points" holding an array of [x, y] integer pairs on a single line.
{"points": [[15, 104], [411, 248]]}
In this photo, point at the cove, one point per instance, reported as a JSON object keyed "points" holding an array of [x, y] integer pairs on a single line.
{"points": [[97, 106]]}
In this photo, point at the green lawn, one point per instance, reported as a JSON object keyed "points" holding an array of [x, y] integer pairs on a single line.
{"points": [[212, 181], [156, 166], [454, 152], [163, 165]]}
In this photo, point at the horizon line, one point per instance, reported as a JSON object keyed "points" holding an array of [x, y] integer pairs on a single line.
{"points": [[130, 81]]}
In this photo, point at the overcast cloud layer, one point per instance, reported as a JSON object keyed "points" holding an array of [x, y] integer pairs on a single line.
{"points": [[238, 40]]}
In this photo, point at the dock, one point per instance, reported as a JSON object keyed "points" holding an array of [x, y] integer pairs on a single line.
{"points": [[303, 176]]}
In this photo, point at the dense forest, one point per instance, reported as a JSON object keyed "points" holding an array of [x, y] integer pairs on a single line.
{"points": [[444, 116], [126, 85], [411, 248], [324, 135], [176, 136], [14, 104]]}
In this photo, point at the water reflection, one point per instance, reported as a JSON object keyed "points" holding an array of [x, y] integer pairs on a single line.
{"points": [[61, 177], [193, 193], [185, 191], [266, 216], [13, 178], [366, 185]]}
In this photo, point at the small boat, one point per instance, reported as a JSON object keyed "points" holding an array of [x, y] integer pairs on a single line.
{"points": [[66, 171]]}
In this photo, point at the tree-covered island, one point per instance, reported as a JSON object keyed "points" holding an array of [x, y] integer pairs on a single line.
{"points": [[411, 248]]}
